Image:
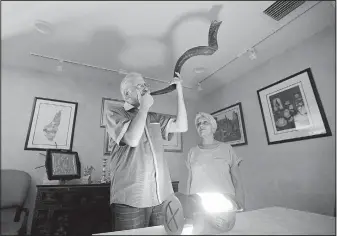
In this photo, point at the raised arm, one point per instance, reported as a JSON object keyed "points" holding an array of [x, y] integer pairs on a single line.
{"points": [[125, 131], [135, 130], [189, 178], [181, 123]]}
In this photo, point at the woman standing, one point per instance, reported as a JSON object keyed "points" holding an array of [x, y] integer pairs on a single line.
{"points": [[213, 166]]}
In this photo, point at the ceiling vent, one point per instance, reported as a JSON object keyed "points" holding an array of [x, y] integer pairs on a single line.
{"points": [[280, 9]]}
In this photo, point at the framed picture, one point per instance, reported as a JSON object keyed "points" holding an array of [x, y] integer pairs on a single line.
{"points": [[62, 165], [231, 126], [108, 144], [292, 110], [51, 125], [176, 142], [108, 104]]}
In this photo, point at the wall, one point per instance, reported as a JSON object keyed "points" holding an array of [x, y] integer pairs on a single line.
{"points": [[299, 175], [19, 87]]}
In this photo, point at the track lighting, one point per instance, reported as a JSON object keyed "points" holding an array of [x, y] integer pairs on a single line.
{"points": [[59, 67], [122, 72], [199, 86], [252, 54]]}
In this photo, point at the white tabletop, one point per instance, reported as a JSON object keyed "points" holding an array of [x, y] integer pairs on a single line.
{"points": [[272, 220]]}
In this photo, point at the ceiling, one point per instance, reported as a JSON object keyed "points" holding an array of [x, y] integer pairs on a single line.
{"points": [[149, 37]]}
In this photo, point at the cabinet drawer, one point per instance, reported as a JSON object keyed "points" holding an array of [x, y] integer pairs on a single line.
{"points": [[73, 197]]}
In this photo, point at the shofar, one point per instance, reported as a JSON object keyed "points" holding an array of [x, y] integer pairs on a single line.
{"points": [[196, 51]]}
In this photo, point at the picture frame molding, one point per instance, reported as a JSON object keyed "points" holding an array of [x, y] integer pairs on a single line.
{"points": [[106, 135], [106, 143], [177, 149], [319, 105], [49, 165], [239, 104], [31, 123], [102, 108]]}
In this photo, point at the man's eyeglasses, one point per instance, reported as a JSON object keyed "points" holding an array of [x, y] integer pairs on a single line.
{"points": [[142, 86], [139, 87]]}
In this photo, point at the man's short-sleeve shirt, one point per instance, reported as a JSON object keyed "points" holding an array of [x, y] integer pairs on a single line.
{"points": [[139, 175]]}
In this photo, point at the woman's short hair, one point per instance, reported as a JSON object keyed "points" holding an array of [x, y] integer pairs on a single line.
{"points": [[207, 116]]}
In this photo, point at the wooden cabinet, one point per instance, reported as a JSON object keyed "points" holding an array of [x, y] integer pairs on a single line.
{"points": [[72, 210], [76, 210]]}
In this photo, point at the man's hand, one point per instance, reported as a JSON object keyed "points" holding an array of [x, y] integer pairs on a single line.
{"points": [[178, 81], [145, 101]]}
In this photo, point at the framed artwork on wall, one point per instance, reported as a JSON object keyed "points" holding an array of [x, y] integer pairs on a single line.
{"points": [[108, 144], [292, 110], [231, 126], [175, 144], [62, 165], [51, 125], [108, 104]]}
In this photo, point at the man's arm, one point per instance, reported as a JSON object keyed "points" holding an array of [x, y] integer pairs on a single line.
{"points": [[181, 123], [136, 128], [189, 178], [238, 185]]}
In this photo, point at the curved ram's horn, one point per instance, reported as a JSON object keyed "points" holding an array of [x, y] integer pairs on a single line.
{"points": [[196, 51]]}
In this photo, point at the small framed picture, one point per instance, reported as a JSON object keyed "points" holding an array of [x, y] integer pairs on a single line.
{"points": [[52, 125], [62, 164], [109, 104], [108, 144], [231, 125], [175, 142], [292, 109]]}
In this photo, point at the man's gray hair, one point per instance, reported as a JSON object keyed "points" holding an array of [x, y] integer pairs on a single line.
{"points": [[128, 79]]}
